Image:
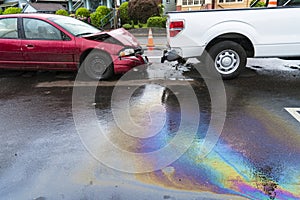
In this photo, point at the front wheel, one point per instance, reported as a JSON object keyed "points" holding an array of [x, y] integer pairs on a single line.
{"points": [[98, 65], [227, 58]]}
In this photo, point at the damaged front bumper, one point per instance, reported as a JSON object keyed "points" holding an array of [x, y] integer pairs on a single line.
{"points": [[129, 58]]}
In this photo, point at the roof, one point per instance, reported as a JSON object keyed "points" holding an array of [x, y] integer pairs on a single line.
{"points": [[9, 4], [46, 6]]}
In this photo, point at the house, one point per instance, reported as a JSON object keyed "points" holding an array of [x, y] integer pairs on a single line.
{"points": [[185, 5], [43, 7], [169, 5], [12, 3], [70, 5]]}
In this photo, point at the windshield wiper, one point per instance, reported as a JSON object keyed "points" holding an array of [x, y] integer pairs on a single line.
{"points": [[82, 34]]}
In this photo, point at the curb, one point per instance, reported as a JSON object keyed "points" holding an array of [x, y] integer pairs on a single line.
{"points": [[143, 32]]}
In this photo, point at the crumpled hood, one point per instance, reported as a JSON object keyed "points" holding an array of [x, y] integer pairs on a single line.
{"points": [[121, 35], [124, 36]]}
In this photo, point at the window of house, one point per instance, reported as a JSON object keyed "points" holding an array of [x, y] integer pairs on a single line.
{"points": [[230, 1], [193, 2]]}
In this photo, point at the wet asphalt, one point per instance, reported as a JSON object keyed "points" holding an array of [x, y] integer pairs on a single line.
{"points": [[154, 133]]}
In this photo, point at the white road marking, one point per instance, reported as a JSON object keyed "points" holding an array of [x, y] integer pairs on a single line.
{"points": [[295, 112]]}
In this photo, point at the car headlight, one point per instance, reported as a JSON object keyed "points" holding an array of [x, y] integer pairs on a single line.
{"points": [[126, 52]]}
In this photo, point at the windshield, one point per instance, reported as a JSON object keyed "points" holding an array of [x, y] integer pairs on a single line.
{"points": [[74, 26]]}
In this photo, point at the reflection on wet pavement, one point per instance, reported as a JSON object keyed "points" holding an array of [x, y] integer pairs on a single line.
{"points": [[252, 165], [256, 157]]}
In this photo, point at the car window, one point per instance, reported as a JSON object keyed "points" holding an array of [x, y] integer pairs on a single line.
{"points": [[36, 29], [8, 28], [74, 26]]}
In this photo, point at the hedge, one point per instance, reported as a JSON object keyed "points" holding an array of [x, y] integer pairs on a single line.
{"points": [[123, 12], [259, 4], [98, 15], [157, 22], [62, 12], [12, 10], [103, 10], [127, 26], [82, 12]]}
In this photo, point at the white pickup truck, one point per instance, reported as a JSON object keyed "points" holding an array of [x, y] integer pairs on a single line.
{"points": [[224, 39]]}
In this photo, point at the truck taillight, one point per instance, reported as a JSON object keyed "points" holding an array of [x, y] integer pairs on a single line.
{"points": [[175, 27]]}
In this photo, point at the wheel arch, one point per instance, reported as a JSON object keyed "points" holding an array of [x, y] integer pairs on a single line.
{"points": [[241, 39]]}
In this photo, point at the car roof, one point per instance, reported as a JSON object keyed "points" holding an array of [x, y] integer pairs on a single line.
{"points": [[34, 15]]}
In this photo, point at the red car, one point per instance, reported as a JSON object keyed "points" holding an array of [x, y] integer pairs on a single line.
{"points": [[54, 42]]}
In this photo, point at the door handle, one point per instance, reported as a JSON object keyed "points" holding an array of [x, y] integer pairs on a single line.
{"points": [[29, 46]]}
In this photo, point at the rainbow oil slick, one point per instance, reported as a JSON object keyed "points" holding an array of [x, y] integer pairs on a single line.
{"points": [[262, 163]]}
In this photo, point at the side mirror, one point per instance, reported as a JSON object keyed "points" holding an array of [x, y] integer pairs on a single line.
{"points": [[65, 37]]}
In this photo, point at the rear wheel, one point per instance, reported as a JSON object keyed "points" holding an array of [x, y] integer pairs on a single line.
{"points": [[98, 65], [227, 58]]}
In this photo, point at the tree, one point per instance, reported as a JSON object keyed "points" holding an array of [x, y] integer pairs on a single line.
{"points": [[141, 10]]}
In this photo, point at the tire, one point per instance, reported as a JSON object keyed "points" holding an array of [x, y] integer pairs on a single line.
{"points": [[98, 65], [226, 58]]}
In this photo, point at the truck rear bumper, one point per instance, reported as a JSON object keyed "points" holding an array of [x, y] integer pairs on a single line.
{"points": [[176, 54]]}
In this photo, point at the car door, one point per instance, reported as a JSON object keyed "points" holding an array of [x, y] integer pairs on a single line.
{"points": [[46, 47], [10, 43]]}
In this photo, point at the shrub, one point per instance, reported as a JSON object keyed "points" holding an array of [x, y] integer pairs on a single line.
{"points": [[96, 19], [157, 22], [98, 15], [127, 26], [259, 4], [141, 10], [140, 25], [82, 12], [103, 10], [1, 12], [12, 10], [123, 12], [62, 12]]}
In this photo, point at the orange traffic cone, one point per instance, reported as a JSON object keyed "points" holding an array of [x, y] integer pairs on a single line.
{"points": [[150, 40], [272, 3]]}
